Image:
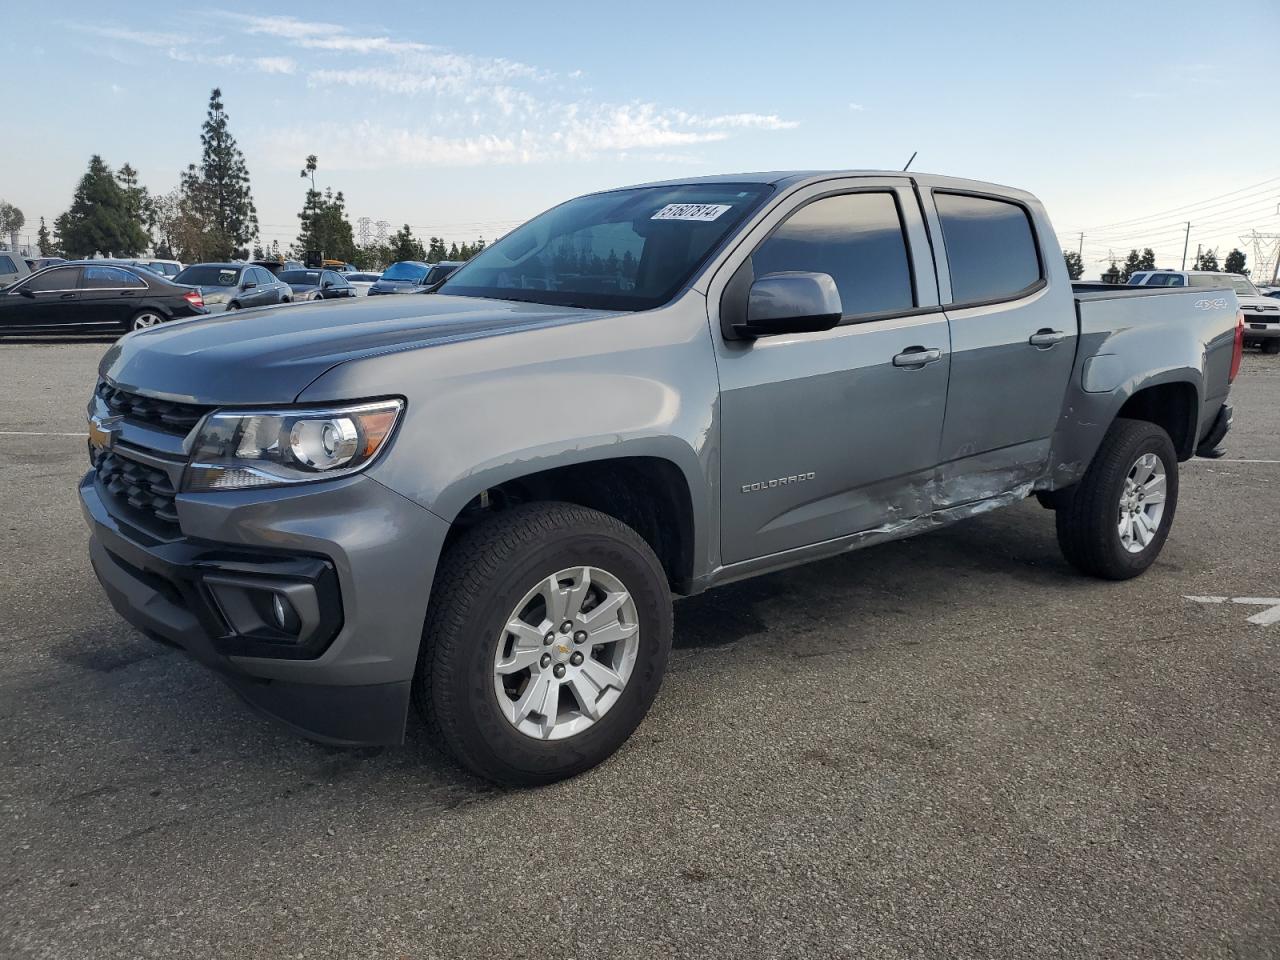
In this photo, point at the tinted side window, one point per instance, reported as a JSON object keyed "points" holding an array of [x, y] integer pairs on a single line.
{"points": [[7, 265], [63, 278], [858, 239], [991, 250], [98, 278]]}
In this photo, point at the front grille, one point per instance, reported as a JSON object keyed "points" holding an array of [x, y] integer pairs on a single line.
{"points": [[146, 492], [164, 415]]}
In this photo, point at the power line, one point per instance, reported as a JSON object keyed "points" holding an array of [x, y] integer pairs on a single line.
{"points": [[1183, 208]]}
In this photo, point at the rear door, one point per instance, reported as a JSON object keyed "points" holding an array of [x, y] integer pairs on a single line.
{"points": [[1013, 340], [109, 294], [827, 434]]}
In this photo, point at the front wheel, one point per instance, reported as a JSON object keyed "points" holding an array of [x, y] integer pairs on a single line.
{"points": [[545, 642], [1115, 522], [1271, 346]]}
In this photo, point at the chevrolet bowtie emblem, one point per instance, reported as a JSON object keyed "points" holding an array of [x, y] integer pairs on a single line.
{"points": [[102, 431]]}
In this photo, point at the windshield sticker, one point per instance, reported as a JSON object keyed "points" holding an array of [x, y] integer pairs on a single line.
{"points": [[704, 212]]}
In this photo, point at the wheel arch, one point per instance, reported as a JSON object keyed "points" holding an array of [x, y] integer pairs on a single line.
{"points": [[650, 493]]}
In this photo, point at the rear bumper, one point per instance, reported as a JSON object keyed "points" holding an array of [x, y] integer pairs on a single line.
{"points": [[365, 555]]}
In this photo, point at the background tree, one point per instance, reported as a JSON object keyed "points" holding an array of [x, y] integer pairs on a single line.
{"points": [[100, 219], [11, 221], [324, 224], [218, 190], [1111, 274], [1206, 260], [1075, 266], [44, 240], [138, 199], [1132, 264], [1148, 259], [1235, 262], [404, 246], [436, 250]]}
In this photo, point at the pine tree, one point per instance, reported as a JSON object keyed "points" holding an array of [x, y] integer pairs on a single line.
{"points": [[404, 246], [138, 199], [324, 225], [44, 240], [220, 188], [99, 219], [1207, 260], [1148, 259], [1132, 264]]}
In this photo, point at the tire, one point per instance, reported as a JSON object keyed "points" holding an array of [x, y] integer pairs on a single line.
{"points": [[478, 592], [1089, 521], [1271, 346], [232, 306], [145, 319]]}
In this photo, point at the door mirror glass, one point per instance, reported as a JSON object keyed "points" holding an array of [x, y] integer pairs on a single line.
{"points": [[249, 284], [792, 302]]}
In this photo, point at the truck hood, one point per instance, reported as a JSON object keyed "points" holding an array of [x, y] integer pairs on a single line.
{"points": [[1263, 303], [269, 356]]}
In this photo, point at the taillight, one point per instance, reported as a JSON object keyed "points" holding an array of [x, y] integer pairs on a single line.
{"points": [[1237, 349], [194, 298]]}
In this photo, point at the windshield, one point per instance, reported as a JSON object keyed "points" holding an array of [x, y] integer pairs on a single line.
{"points": [[302, 277], [623, 250], [404, 271], [1244, 288], [208, 275]]}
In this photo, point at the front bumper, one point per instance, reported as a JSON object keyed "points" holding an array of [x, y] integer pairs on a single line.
{"points": [[365, 554], [1257, 331]]}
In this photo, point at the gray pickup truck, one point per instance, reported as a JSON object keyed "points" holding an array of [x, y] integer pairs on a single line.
{"points": [[482, 500]]}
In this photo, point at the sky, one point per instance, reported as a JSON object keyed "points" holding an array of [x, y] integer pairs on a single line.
{"points": [[466, 119]]}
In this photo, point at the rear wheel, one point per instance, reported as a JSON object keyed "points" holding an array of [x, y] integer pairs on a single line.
{"points": [[144, 319], [545, 642], [1115, 522]]}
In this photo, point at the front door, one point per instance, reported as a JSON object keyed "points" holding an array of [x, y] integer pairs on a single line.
{"points": [[829, 434], [46, 300]]}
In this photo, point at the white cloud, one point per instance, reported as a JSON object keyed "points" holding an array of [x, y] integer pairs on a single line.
{"points": [[275, 64], [857, 107], [142, 37]]}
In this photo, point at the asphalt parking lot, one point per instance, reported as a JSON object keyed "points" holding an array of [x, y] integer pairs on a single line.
{"points": [[951, 746]]}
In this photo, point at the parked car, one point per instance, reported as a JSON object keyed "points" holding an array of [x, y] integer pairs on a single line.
{"points": [[482, 501], [89, 296], [12, 267], [407, 276], [233, 286], [441, 271], [361, 282], [165, 268], [276, 266], [316, 284], [39, 263], [1261, 316]]}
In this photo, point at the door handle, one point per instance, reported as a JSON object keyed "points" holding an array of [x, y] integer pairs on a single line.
{"points": [[917, 357], [1046, 338], [67, 296]]}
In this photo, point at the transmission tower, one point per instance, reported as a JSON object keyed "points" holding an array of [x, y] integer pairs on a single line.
{"points": [[362, 228], [1266, 256], [382, 227]]}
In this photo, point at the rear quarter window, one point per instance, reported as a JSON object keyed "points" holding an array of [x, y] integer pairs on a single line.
{"points": [[991, 248], [7, 265]]}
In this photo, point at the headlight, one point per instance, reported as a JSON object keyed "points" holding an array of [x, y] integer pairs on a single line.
{"points": [[272, 448]]}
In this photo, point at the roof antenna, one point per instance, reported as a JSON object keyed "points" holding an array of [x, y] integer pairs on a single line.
{"points": [[913, 156]]}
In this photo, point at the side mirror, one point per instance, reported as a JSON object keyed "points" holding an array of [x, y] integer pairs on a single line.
{"points": [[326, 285], [27, 292], [249, 284], [793, 302]]}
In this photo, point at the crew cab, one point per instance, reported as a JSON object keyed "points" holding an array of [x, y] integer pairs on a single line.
{"points": [[483, 501]]}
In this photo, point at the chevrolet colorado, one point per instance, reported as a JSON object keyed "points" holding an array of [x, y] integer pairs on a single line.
{"points": [[482, 500]]}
